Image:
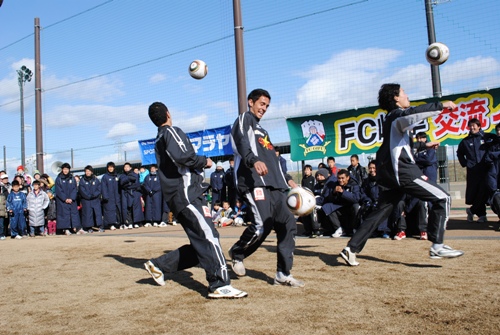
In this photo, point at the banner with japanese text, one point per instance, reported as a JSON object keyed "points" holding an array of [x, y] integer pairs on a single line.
{"points": [[359, 131], [210, 143]]}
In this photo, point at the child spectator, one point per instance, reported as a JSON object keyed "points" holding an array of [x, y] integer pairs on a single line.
{"points": [[37, 202], [224, 218], [308, 179], [217, 209], [51, 214], [239, 214], [17, 206]]}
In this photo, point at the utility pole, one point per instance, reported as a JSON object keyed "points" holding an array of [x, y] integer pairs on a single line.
{"points": [[240, 58], [38, 100], [431, 34], [24, 75]]}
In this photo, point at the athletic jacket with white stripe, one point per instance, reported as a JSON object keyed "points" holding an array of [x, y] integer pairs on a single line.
{"points": [[179, 167], [251, 143], [395, 163]]}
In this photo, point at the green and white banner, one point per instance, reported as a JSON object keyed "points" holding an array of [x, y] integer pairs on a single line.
{"points": [[359, 131]]}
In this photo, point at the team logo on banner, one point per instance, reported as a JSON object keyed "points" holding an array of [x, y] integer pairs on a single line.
{"points": [[314, 136]]}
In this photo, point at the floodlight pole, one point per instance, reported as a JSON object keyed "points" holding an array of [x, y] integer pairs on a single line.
{"points": [[240, 57], [431, 33], [24, 75]]}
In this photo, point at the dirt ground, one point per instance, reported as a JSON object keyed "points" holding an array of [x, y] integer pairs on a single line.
{"points": [[96, 284]]}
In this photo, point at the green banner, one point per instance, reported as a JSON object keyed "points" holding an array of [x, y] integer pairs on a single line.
{"points": [[359, 131]]}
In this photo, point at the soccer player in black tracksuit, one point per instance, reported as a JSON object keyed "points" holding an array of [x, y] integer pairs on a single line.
{"points": [[396, 170], [261, 181], [179, 169]]}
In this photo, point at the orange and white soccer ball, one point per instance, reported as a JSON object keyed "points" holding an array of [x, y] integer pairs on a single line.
{"points": [[198, 69], [300, 201]]}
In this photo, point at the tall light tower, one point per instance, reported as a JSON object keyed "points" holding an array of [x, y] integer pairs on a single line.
{"points": [[24, 75]]}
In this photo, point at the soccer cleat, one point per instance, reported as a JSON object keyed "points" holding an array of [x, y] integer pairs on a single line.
{"points": [[423, 236], [445, 252], [156, 273], [470, 216], [227, 292], [338, 233], [288, 281], [399, 236], [349, 256], [482, 219], [237, 266]]}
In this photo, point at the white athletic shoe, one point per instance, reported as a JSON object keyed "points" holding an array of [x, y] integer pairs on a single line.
{"points": [[155, 224], [123, 226], [445, 252], [130, 226], [338, 233], [280, 279], [174, 223], [147, 225], [136, 226], [163, 224], [112, 228], [349, 256], [227, 292], [156, 273], [237, 266]]}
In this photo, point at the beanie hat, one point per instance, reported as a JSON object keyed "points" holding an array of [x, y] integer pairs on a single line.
{"points": [[323, 172], [20, 167]]}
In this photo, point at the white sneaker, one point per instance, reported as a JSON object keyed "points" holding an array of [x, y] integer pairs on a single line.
{"points": [[81, 232], [67, 232], [136, 226], [237, 266], [445, 252], [349, 256], [174, 223], [280, 279], [18, 237], [2, 238], [112, 228], [147, 225], [227, 292], [130, 226], [163, 224], [123, 227], [338, 233], [156, 273], [155, 224]]}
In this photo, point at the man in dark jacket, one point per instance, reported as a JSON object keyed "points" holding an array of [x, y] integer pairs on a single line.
{"points": [[153, 199], [66, 193], [90, 193], [356, 170], [232, 193], [339, 202], [261, 181], [180, 171], [111, 202], [131, 198], [217, 184], [470, 154], [397, 171]]}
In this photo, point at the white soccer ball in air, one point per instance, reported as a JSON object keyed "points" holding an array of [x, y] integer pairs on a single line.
{"points": [[300, 201], [437, 53], [198, 69]]}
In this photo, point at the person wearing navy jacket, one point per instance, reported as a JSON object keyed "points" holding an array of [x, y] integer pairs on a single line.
{"points": [[152, 197], [131, 198], [90, 194], [68, 217], [470, 154], [111, 201], [426, 158], [217, 184], [339, 202]]}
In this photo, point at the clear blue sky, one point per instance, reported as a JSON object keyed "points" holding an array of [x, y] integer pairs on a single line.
{"points": [[313, 57]]}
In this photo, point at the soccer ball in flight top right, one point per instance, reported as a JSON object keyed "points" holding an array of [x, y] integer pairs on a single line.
{"points": [[437, 53]]}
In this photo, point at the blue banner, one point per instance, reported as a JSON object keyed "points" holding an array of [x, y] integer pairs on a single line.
{"points": [[210, 143]]}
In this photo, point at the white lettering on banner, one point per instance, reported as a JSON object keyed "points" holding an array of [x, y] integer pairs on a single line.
{"points": [[196, 142], [148, 151], [223, 140], [210, 141]]}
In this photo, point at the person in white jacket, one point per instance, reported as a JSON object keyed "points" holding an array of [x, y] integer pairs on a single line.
{"points": [[38, 200]]}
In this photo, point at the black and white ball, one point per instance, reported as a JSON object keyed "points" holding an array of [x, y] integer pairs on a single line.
{"points": [[437, 53], [198, 69], [300, 201]]}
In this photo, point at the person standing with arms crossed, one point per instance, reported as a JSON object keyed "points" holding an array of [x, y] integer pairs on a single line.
{"points": [[261, 181], [180, 171], [397, 171]]}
